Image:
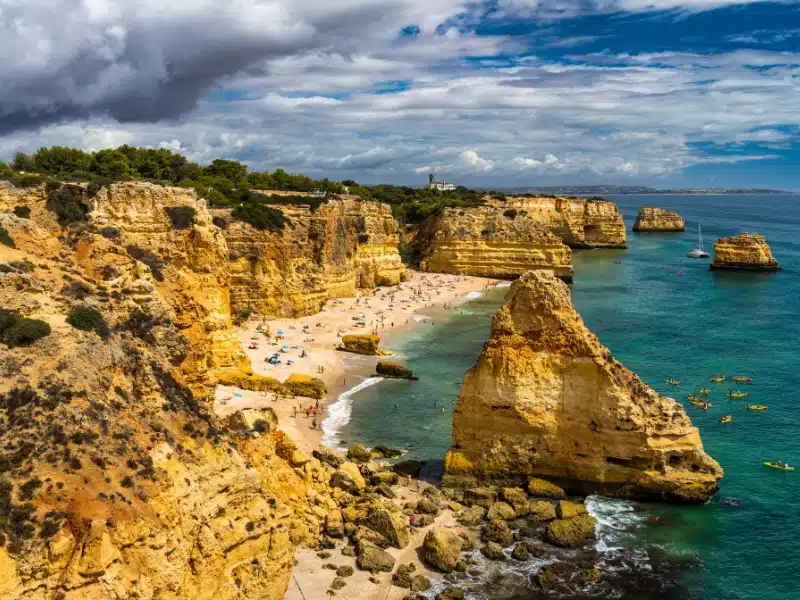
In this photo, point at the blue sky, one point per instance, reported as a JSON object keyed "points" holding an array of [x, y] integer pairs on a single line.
{"points": [[500, 93]]}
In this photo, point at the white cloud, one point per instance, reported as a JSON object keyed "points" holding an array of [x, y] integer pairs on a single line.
{"points": [[627, 168], [471, 160]]}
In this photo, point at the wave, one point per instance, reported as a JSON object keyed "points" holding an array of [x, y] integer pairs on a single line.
{"points": [[339, 413], [421, 318], [474, 295], [503, 284], [615, 518]]}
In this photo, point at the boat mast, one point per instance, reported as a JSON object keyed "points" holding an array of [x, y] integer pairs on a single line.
{"points": [[700, 235]]}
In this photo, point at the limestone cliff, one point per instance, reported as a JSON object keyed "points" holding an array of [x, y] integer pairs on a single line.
{"points": [[488, 242], [116, 479], [746, 251], [580, 223], [651, 218], [344, 245], [547, 399]]}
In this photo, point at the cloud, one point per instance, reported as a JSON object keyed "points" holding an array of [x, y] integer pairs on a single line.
{"points": [[473, 162]]}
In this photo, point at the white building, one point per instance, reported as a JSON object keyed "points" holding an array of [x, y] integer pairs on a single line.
{"points": [[442, 186]]}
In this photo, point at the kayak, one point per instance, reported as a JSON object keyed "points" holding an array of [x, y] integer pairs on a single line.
{"points": [[704, 391], [737, 394], [718, 379], [726, 419], [756, 407], [775, 465], [741, 379], [693, 398], [673, 382]]}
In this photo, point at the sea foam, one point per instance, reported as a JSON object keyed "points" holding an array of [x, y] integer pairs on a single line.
{"points": [[339, 413]]}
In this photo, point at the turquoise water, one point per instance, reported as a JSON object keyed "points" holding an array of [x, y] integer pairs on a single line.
{"points": [[663, 323]]}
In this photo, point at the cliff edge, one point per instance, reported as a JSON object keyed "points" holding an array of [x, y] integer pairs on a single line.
{"points": [[652, 218], [487, 242], [746, 251], [546, 399]]}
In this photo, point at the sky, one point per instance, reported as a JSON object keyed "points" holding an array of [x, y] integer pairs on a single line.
{"points": [[505, 93]]}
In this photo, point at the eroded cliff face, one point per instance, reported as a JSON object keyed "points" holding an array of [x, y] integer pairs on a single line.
{"points": [[651, 218], [578, 222], [116, 478], [486, 242], [547, 399], [746, 251], [346, 244]]}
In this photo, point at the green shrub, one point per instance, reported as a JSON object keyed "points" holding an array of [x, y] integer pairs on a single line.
{"points": [[23, 212], [86, 318], [78, 290], [110, 233], [182, 217], [261, 217], [67, 203], [27, 489], [23, 266], [148, 258], [511, 213], [220, 222], [5, 238], [16, 330]]}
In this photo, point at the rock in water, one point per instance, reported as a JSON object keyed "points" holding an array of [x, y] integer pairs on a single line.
{"points": [[746, 251], [571, 533], [651, 218], [547, 399], [393, 370]]}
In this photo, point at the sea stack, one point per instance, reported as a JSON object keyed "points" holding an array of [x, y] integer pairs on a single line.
{"points": [[546, 399], [652, 218], [746, 251]]}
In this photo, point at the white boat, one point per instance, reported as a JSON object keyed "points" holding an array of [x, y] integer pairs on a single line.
{"points": [[699, 252]]}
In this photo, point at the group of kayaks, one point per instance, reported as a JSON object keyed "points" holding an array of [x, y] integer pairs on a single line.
{"points": [[700, 401]]}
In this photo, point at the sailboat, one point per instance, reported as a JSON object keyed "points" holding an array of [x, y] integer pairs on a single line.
{"points": [[699, 252]]}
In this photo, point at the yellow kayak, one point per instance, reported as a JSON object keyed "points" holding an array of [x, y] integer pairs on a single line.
{"points": [[704, 391], [673, 381], [737, 394], [693, 398], [726, 419], [775, 465], [741, 379], [756, 407], [718, 378]]}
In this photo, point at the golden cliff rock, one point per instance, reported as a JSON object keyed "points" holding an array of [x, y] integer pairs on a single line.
{"points": [[546, 399], [746, 251], [651, 218], [489, 242]]}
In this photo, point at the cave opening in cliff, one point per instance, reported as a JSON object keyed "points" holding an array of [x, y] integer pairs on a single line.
{"points": [[592, 233]]}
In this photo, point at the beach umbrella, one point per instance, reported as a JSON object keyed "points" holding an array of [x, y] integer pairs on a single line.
{"points": [[284, 347]]}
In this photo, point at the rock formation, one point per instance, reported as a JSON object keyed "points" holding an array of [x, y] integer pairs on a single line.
{"points": [[579, 222], [344, 245], [489, 242], [746, 251], [546, 399], [363, 344], [651, 218]]}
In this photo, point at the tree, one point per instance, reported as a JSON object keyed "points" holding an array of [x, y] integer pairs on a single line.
{"points": [[22, 162], [229, 169]]}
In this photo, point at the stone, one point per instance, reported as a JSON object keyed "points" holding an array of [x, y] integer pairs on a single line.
{"points": [[324, 554], [493, 551], [390, 369], [540, 488], [334, 525], [372, 558], [651, 218], [262, 420], [408, 468], [298, 458], [473, 515], [298, 384], [386, 452], [451, 593], [501, 510], [384, 477], [427, 506], [348, 551], [517, 498], [338, 583], [590, 575], [329, 566], [441, 549], [520, 552], [567, 510], [484, 497], [385, 491], [362, 344], [609, 434], [370, 535], [359, 453], [571, 533], [402, 577], [746, 252], [328, 456], [420, 583], [541, 510], [498, 531], [348, 478], [390, 525], [344, 571]]}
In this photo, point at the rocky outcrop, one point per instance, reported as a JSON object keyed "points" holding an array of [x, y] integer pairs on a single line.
{"points": [[490, 242], [362, 344], [746, 251], [546, 399], [579, 222], [651, 218], [346, 244], [393, 370]]}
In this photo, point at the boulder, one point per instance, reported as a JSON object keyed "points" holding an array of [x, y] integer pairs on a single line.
{"points": [[305, 385], [402, 577], [408, 468], [493, 551], [384, 477], [393, 370], [451, 593], [498, 531], [386, 452], [474, 514], [348, 478], [541, 510], [540, 488], [372, 558], [353, 514], [501, 510], [520, 552], [567, 510], [571, 533], [359, 453], [334, 524], [420, 583], [390, 525], [338, 583], [362, 344], [427, 506], [370, 535], [441, 549], [517, 498], [328, 456], [484, 497], [262, 420]]}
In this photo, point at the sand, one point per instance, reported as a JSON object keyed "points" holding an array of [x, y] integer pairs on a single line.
{"points": [[390, 309]]}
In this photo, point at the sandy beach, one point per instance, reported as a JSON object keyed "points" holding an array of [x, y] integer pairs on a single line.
{"points": [[307, 345]]}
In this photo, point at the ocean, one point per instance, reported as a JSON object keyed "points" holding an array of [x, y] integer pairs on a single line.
{"points": [[663, 315]]}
